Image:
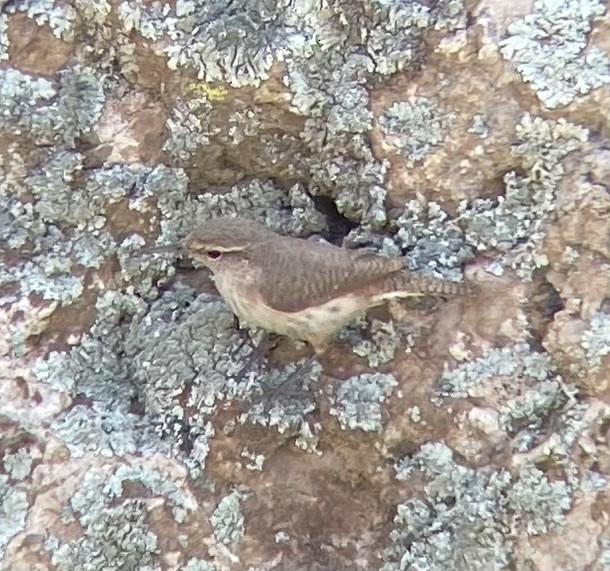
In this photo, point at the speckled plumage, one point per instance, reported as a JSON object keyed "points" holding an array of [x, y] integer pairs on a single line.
{"points": [[318, 272], [304, 289]]}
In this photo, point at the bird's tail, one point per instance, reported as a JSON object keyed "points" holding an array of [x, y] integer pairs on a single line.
{"points": [[408, 284]]}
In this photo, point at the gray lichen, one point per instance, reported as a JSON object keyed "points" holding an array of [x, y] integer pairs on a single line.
{"points": [[357, 402], [530, 408], [515, 223], [465, 380], [189, 127], [352, 114], [330, 92], [480, 126], [458, 524], [539, 504], [115, 538], [18, 465], [288, 211], [105, 427], [220, 40], [243, 125], [50, 278], [355, 181], [415, 127], [390, 33], [468, 516], [228, 520], [415, 414], [550, 50], [99, 506], [80, 102], [61, 210], [182, 344], [238, 42], [58, 172], [101, 43], [106, 431], [18, 223], [72, 108], [19, 96], [379, 342], [185, 347], [432, 240], [62, 220], [596, 340], [13, 509], [383, 344], [4, 43], [605, 556], [195, 564], [93, 368], [60, 18], [308, 438], [396, 41], [140, 271], [521, 384], [256, 460], [331, 87], [285, 398], [450, 15]]}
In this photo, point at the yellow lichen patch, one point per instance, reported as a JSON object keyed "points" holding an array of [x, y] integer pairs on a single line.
{"points": [[209, 92]]}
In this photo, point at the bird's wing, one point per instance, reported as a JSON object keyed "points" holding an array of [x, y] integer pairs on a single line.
{"points": [[312, 273]]}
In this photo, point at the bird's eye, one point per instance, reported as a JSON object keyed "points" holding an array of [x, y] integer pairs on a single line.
{"points": [[213, 254]]}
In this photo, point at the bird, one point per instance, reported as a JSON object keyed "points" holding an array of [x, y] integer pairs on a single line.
{"points": [[299, 288]]}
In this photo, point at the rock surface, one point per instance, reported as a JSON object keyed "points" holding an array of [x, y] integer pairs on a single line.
{"points": [[471, 137]]}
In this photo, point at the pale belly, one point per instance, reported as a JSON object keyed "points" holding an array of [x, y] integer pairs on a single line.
{"points": [[314, 324]]}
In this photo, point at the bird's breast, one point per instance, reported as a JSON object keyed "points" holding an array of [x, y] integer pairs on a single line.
{"points": [[236, 287], [239, 289]]}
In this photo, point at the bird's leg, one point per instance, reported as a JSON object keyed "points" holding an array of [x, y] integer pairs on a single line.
{"points": [[259, 352], [244, 334]]}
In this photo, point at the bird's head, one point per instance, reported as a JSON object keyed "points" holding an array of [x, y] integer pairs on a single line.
{"points": [[224, 241]]}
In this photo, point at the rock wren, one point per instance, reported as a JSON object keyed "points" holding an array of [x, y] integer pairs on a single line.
{"points": [[299, 288]]}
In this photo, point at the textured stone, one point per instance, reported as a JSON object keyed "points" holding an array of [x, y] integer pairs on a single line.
{"points": [[464, 434]]}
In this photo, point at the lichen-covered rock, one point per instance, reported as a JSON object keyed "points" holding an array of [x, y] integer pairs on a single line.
{"points": [[140, 429]]}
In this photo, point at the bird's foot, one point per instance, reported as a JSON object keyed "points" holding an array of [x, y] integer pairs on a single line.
{"points": [[257, 357]]}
